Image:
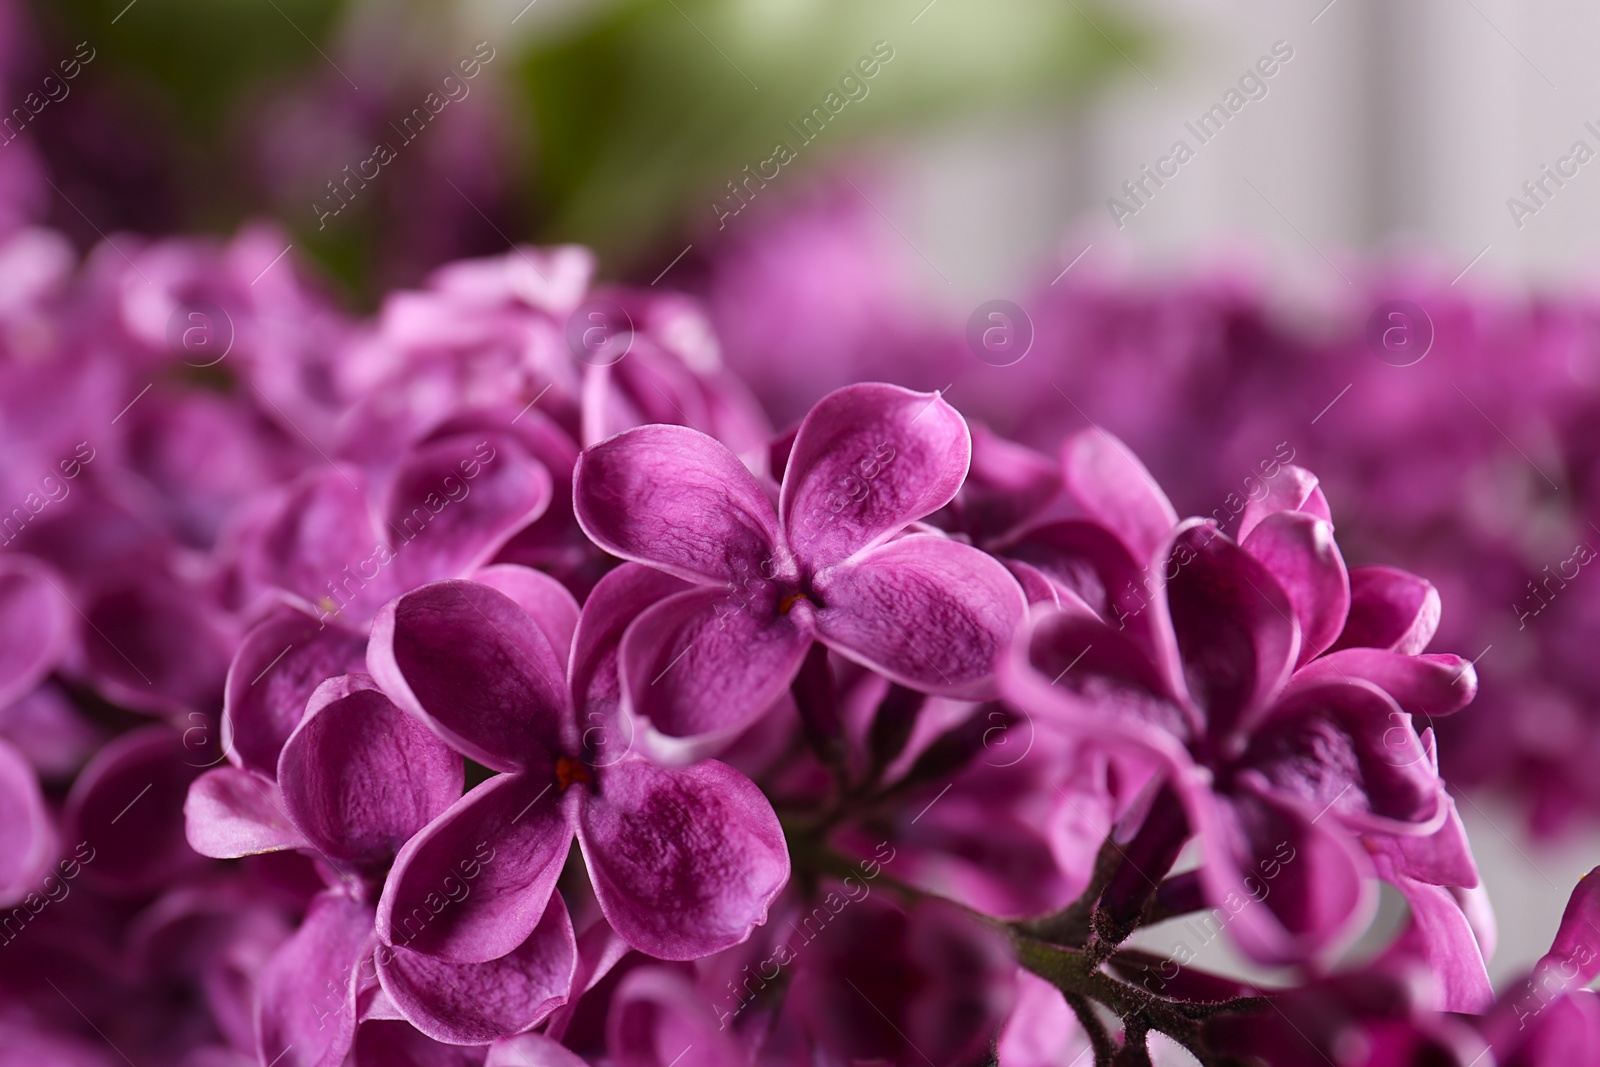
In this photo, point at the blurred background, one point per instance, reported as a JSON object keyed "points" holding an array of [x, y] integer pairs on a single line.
{"points": [[922, 156]]}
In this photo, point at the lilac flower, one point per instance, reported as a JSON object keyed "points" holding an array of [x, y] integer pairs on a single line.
{"points": [[824, 565], [683, 862], [357, 780], [317, 545], [1261, 732]]}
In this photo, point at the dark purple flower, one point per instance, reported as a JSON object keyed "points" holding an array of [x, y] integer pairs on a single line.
{"points": [[683, 862], [825, 564], [1224, 682]]}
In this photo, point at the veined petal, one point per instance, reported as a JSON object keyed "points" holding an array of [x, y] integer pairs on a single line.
{"points": [[308, 990], [474, 883], [1430, 685], [699, 666], [360, 777], [867, 461], [231, 813], [277, 667], [548, 603], [469, 662], [475, 1003], [674, 498], [930, 613], [685, 862], [456, 500]]}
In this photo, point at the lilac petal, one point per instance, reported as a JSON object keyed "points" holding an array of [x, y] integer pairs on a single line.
{"points": [[1078, 674], [931, 614], [531, 1050], [615, 602], [1290, 882], [1234, 626], [1291, 489], [658, 1013], [1391, 609], [469, 662], [1041, 1031], [231, 813], [1008, 484], [547, 602], [1097, 567], [308, 990], [1576, 947], [391, 1043], [698, 667], [868, 460], [456, 500], [1347, 750], [27, 840], [475, 1003], [35, 626], [360, 777], [1439, 935], [1300, 552], [1116, 490], [1431, 685], [278, 665], [674, 498], [128, 803], [473, 884], [684, 862], [308, 537]]}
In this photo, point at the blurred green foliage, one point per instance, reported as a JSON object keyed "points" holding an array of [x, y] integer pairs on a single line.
{"points": [[633, 113]]}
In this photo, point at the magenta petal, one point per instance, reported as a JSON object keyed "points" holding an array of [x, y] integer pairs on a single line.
{"points": [[677, 499], [1291, 489], [1439, 935], [473, 884], [278, 665], [309, 534], [685, 862], [1077, 674], [698, 667], [1391, 609], [930, 613], [1300, 552], [359, 776], [657, 1014], [1576, 947], [1290, 881], [308, 990], [1109, 483], [35, 626], [1234, 625], [470, 663], [231, 813], [868, 460], [455, 501], [1431, 685], [548, 603], [531, 1050], [475, 1003], [1347, 750], [27, 840]]}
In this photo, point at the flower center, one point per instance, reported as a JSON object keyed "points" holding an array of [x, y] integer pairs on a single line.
{"points": [[790, 601], [569, 771]]}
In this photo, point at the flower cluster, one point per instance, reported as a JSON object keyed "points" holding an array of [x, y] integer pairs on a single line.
{"points": [[495, 679]]}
